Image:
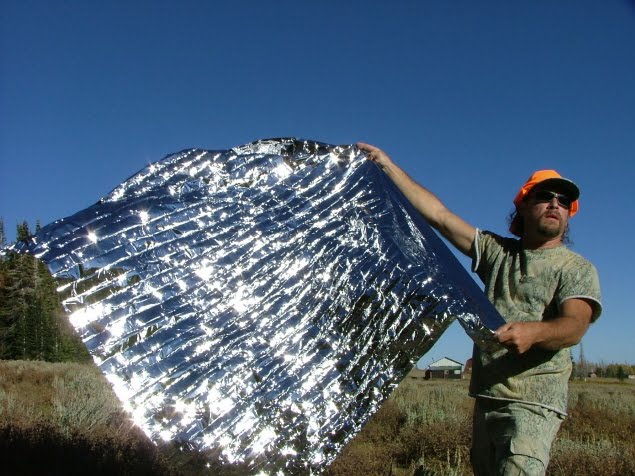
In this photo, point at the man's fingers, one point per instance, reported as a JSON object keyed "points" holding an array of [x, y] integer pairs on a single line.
{"points": [[501, 330], [374, 154], [366, 147]]}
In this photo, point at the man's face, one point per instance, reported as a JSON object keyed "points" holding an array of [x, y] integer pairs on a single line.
{"points": [[546, 212]]}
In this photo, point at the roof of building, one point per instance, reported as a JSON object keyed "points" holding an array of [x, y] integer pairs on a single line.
{"points": [[445, 364]]}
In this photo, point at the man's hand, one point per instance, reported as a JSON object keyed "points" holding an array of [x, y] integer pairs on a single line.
{"points": [[555, 334], [375, 154], [518, 336]]}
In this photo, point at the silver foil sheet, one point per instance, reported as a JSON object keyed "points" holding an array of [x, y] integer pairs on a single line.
{"points": [[260, 302]]}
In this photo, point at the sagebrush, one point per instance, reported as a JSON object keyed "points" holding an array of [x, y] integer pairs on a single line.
{"points": [[61, 418], [425, 429]]}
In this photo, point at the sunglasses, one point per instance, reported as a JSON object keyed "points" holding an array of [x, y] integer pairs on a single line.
{"points": [[541, 196]]}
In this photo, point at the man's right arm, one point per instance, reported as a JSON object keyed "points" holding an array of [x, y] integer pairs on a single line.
{"points": [[460, 233]]}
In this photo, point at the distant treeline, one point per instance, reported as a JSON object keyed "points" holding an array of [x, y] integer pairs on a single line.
{"points": [[619, 371], [33, 325]]}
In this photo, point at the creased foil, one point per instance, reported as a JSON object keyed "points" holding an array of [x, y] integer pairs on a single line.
{"points": [[260, 302]]}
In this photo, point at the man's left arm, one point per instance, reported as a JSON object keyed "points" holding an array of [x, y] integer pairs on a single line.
{"points": [[564, 331]]}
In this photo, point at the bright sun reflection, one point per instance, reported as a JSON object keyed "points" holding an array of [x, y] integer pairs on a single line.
{"points": [[282, 170], [85, 316], [205, 271]]}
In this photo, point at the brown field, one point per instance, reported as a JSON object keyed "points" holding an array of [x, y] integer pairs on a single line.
{"points": [[425, 429], [64, 419]]}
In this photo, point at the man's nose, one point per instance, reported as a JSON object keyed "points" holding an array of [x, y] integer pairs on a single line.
{"points": [[553, 203]]}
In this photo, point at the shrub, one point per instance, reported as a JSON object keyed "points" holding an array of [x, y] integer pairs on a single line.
{"points": [[425, 429], [65, 419]]}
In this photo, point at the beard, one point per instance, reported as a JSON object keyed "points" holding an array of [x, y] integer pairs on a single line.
{"points": [[549, 229]]}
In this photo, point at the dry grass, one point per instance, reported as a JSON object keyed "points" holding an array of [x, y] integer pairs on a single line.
{"points": [[61, 418], [64, 419], [597, 438], [425, 429]]}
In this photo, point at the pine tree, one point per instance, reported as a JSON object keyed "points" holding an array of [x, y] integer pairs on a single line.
{"points": [[23, 233], [32, 322], [583, 367], [14, 305], [3, 240]]}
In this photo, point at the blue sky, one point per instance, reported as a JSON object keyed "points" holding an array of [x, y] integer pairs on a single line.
{"points": [[469, 97]]}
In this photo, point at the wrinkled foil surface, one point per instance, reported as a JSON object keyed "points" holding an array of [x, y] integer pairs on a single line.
{"points": [[260, 302]]}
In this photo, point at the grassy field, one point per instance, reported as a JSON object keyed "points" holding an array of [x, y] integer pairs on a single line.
{"points": [[64, 419], [425, 429]]}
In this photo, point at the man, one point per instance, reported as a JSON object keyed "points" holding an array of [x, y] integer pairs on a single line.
{"points": [[548, 296]]}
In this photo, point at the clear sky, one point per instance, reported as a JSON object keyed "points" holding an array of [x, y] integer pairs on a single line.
{"points": [[469, 97]]}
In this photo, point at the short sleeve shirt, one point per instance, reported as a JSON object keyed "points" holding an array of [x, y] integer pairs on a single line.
{"points": [[529, 285]]}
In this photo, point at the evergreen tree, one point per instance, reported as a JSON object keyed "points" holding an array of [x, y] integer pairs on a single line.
{"points": [[23, 233], [3, 240], [582, 369], [32, 323]]}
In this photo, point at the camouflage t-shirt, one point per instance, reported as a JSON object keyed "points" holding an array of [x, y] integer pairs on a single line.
{"points": [[529, 285]]}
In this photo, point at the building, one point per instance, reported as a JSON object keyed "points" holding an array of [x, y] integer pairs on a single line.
{"points": [[445, 368]]}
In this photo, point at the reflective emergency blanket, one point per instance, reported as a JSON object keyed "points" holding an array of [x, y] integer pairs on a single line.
{"points": [[261, 301]]}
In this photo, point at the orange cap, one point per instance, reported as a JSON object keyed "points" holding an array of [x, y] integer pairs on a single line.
{"points": [[551, 178]]}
